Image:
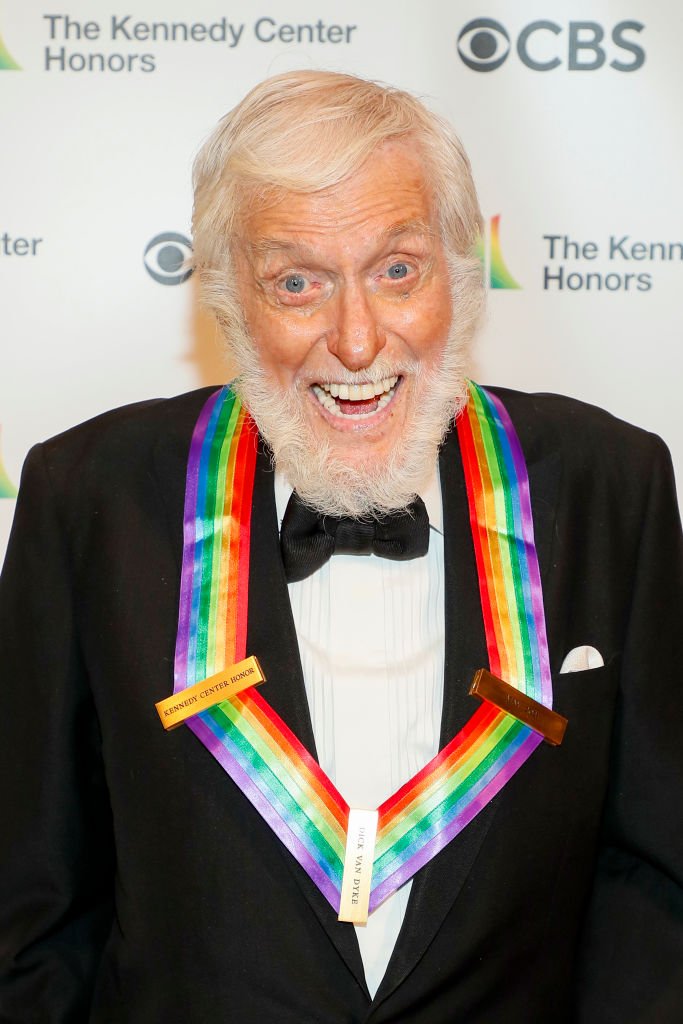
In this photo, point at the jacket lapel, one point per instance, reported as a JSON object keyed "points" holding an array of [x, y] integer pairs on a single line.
{"points": [[169, 461], [436, 887]]}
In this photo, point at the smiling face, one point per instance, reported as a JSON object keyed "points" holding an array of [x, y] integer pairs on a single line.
{"points": [[347, 302]]}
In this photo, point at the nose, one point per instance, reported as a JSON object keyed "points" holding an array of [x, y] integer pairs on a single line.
{"points": [[356, 338]]}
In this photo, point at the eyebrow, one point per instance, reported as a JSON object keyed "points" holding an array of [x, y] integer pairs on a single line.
{"points": [[267, 246], [416, 226]]}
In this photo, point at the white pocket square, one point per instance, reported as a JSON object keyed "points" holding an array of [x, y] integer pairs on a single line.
{"points": [[581, 658]]}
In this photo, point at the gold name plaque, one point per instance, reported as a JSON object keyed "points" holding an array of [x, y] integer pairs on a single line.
{"points": [[226, 684], [538, 717]]}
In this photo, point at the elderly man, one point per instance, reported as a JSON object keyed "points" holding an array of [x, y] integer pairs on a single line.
{"points": [[356, 838]]}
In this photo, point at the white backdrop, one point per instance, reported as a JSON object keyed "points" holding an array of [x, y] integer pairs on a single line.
{"points": [[570, 116]]}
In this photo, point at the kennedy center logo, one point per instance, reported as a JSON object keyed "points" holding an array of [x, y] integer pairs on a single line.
{"points": [[7, 61], [7, 488], [497, 272]]}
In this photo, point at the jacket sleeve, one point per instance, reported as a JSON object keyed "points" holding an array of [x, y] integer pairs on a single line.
{"points": [[632, 953], [56, 860]]}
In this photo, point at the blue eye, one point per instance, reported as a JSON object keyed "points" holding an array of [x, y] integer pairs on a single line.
{"points": [[295, 283], [397, 271]]}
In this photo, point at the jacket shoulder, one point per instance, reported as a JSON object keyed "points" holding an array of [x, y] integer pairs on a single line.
{"points": [[587, 436], [122, 438]]}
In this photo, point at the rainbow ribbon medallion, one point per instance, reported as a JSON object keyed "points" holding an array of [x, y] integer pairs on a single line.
{"points": [[256, 747]]}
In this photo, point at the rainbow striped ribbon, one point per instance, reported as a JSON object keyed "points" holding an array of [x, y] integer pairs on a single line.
{"points": [[252, 743]]}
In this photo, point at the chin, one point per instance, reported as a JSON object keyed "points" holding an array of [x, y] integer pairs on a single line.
{"points": [[359, 448]]}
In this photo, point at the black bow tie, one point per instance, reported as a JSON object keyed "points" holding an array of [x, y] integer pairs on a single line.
{"points": [[308, 539]]}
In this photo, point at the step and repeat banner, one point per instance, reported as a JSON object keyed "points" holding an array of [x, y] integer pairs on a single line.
{"points": [[569, 111]]}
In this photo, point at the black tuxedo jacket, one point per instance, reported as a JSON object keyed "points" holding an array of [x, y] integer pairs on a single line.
{"points": [[138, 885]]}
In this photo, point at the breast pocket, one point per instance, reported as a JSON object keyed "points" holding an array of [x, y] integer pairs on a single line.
{"points": [[588, 700]]}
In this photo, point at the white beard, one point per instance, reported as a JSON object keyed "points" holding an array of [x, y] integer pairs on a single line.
{"points": [[321, 476]]}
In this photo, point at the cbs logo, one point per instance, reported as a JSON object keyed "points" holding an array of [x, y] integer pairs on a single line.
{"points": [[484, 45], [165, 258]]}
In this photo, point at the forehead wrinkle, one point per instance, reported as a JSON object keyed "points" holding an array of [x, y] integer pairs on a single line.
{"points": [[265, 246]]}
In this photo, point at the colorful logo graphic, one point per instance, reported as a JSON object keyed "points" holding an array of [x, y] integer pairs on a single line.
{"points": [[7, 62], [498, 274], [7, 488], [165, 257]]}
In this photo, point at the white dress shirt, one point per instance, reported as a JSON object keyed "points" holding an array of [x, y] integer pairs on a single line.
{"points": [[371, 639]]}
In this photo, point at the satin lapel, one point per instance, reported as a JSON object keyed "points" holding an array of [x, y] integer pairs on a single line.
{"points": [[436, 887], [270, 635]]}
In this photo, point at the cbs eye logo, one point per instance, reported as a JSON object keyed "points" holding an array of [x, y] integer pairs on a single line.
{"points": [[165, 257], [485, 44]]}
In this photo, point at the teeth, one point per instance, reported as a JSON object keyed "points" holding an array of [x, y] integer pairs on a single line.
{"points": [[358, 391], [325, 399], [326, 394]]}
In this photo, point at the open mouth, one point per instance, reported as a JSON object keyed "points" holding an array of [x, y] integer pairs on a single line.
{"points": [[356, 400]]}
